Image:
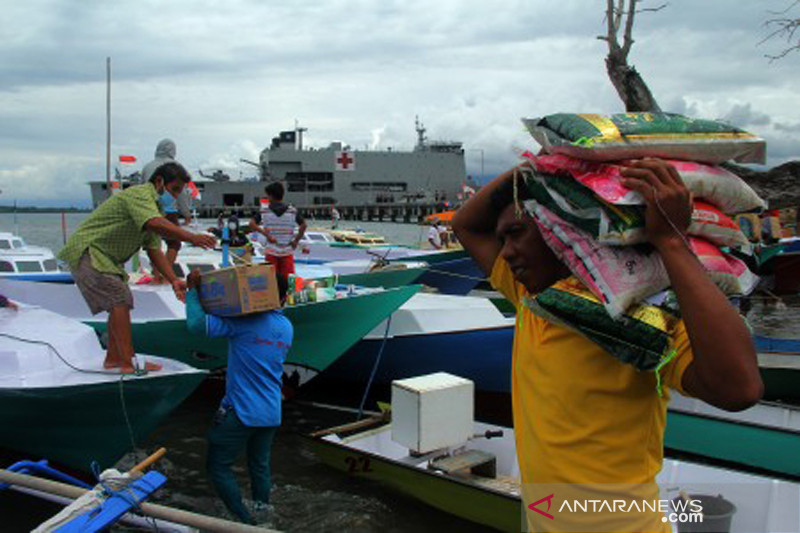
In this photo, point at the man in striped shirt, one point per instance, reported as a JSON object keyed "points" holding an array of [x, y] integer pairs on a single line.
{"points": [[282, 227]]}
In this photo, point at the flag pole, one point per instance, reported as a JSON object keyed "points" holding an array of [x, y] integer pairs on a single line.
{"points": [[108, 127]]}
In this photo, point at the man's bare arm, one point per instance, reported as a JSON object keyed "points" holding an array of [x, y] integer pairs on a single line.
{"points": [[163, 227], [474, 225], [724, 371]]}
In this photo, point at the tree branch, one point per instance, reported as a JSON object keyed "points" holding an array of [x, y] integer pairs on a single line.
{"points": [[786, 27], [613, 27], [627, 40]]}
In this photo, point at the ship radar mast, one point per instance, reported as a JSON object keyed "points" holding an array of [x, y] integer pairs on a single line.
{"points": [[421, 140]]}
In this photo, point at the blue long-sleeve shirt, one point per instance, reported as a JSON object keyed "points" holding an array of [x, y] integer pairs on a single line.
{"points": [[257, 347]]}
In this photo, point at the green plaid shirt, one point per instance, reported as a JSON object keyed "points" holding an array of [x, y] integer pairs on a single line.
{"points": [[115, 230]]}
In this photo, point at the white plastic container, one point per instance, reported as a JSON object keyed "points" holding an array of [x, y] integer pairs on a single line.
{"points": [[432, 411]]}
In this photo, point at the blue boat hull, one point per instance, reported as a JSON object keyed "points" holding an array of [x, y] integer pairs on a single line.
{"points": [[483, 356], [49, 277], [776, 345], [458, 276]]}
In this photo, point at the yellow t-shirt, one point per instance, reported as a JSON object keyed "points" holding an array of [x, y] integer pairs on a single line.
{"points": [[581, 415]]}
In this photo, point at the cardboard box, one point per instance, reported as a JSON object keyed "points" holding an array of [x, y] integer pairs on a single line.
{"points": [[432, 412], [239, 290]]}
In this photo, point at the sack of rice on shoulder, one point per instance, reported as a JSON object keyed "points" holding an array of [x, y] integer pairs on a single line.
{"points": [[716, 185], [621, 276], [597, 137], [641, 337], [584, 207]]}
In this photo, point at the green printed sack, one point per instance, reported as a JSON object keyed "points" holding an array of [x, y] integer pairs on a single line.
{"points": [[635, 135], [579, 206], [642, 337]]}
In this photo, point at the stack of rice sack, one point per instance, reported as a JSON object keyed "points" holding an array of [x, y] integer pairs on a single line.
{"points": [[596, 226]]}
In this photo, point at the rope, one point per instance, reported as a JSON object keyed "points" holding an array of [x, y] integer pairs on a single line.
{"points": [[73, 367], [119, 487], [374, 369], [455, 275], [670, 356], [85, 371], [125, 412], [517, 208], [669, 220]]}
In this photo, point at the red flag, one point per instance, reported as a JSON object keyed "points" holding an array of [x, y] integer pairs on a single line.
{"points": [[193, 190], [127, 159]]}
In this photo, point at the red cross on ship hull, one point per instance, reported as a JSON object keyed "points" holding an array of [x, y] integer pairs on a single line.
{"points": [[344, 161]]}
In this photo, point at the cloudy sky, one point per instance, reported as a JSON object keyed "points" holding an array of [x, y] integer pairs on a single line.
{"points": [[223, 78]]}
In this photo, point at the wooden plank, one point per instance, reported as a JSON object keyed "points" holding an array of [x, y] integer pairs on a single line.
{"points": [[479, 462]]}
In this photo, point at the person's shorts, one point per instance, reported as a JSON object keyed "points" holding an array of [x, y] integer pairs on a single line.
{"points": [[284, 264], [101, 291]]}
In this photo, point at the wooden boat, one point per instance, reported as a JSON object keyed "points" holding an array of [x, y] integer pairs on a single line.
{"points": [[364, 272], [358, 237], [765, 437], [478, 480], [57, 401], [462, 335], [450, 272], [384, 277], [20, 261], [323, 331]]}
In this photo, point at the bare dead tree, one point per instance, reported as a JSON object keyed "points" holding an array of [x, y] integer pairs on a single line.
{"points": [[776, 185], [782, 27], [630, 86]]}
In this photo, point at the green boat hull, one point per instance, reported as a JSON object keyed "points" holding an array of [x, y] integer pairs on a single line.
{"points": [[781, 384], [483, 506], [747, 444], [79, 424], [387, 279], [322, 331]]}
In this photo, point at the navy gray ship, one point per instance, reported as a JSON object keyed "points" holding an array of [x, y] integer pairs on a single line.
{"points": [[432, 173]]}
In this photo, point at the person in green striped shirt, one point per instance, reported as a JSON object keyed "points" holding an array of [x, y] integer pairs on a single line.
{"points": [[109, 237]]}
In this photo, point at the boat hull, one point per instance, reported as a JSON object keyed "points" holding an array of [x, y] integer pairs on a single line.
{"points": [[383, 278], [322, 332], [48, 277], [492, 509], [79, 424], [765, 437], [456, 276], [406, 356]]}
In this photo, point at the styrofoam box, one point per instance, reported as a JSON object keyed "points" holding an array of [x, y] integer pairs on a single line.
{"points": [[432, 411]]}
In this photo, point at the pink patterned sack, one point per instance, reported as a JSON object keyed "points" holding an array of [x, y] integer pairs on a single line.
{"points": [[623, 275], [714, 184]]}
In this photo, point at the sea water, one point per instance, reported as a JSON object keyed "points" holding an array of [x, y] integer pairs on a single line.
{"points": [[307, 494]]}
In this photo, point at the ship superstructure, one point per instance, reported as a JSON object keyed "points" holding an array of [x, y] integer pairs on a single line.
{"points": [[433, 172]]}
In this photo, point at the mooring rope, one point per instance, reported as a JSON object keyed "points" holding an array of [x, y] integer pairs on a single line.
{"points": [[86, 371]]}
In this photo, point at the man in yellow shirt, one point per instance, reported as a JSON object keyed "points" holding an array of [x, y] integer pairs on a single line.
{"points": [[582, 417]]}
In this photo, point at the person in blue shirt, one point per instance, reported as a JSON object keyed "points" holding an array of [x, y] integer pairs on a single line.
{"points": [[250, 413]]}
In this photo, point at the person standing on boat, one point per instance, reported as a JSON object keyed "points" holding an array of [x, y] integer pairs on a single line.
{"points": [[250, 413], [109, 237], [173, 207], [435, 235], [282, 227], [580, 415], [335, 216]]}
